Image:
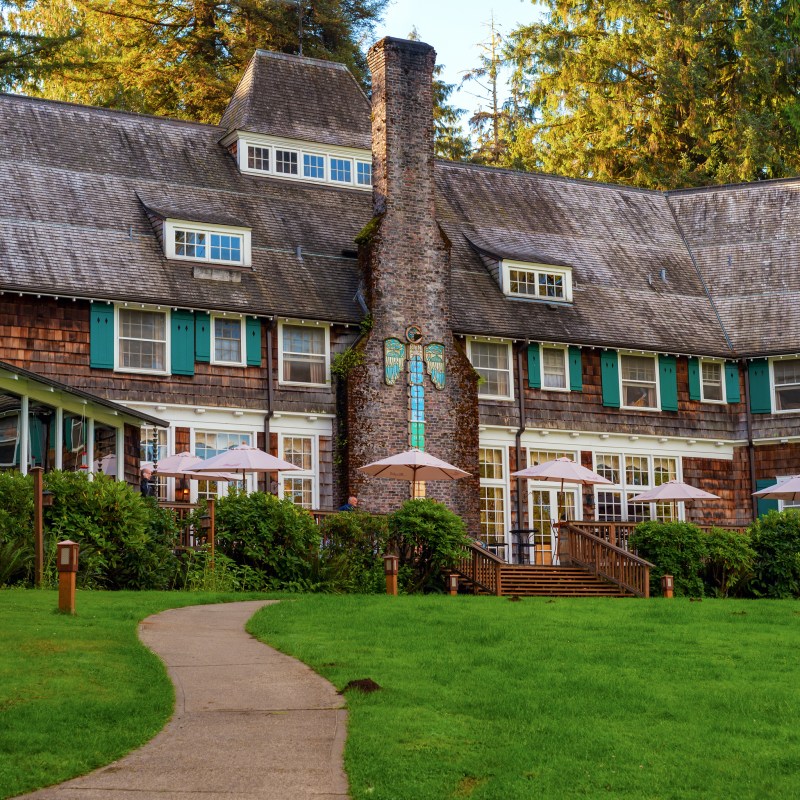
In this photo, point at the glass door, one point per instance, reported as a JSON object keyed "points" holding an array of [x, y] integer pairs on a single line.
{"points": [[547, 507]]}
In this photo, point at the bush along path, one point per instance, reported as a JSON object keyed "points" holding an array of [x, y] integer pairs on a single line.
{"points": [[249, 722]]}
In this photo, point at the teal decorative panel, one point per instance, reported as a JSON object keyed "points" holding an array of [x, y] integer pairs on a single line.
{"points": [[534, 366], [609, 374], [668, 383], [182, 344], [760, 399], [575, 370], [101, 336], [202, 336], [694, 379], [253, 334]]}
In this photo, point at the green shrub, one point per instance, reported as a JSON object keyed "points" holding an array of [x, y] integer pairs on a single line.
{"points": [[352, 552], [729, 562], [195, 572], [16, 528], [430, 539], [677, 549], [126, 540], [775, 538], [275, 539]]}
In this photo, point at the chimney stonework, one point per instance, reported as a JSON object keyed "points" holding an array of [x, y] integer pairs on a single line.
{"points": [[405, 260]]}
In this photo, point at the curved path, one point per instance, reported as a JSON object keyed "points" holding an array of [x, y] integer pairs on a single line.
{"points": [[249, 721]]}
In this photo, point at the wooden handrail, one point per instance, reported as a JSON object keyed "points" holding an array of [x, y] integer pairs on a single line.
{"points": [[482, 569], [613, 563]]}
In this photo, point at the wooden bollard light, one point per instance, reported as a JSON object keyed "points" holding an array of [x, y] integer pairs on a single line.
{"points": [[452, 583], [390, 563], [67, 572], [667, 586]]}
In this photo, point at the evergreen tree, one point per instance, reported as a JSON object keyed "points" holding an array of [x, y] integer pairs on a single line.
{"points": [[183, 57], [660, 94]]}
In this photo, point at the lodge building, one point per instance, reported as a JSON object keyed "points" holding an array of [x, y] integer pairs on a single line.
{"points": [[307, 278]]}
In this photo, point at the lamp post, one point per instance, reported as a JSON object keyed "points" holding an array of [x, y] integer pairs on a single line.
{"points": [[41, 500], [67, 571], [667, 585], [390, 563], [452, 583]]}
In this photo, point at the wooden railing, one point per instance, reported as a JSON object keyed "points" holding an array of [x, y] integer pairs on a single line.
{"points": [[191, 537], [481, 569], [615, 564]]}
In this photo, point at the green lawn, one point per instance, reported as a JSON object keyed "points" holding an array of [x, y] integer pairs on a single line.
{"points": [[78, 692], [493, 700], [482, 698]]}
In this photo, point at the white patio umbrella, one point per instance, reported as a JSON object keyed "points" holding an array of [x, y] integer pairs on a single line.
{"points": [[243, 459], [787, 490], [414, 465], [674, 492], [176, 466], [562, 470]]}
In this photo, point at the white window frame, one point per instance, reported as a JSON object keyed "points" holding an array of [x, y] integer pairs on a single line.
{"points": [[565, 354], [500, 342], [302, 324], [291, 151], [167, 344], [244, 141], [654, 358], [502, 484], [243, 340], [15, 440], [173, 225], [312, 474], [772, 388], [222, 486], [352, 170], [703, 398], [536, 270]]}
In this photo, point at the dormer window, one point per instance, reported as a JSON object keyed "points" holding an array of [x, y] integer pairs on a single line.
{"points": [[286, 162], [258, 158], [212, 244], [537, 281], [363, 173]]}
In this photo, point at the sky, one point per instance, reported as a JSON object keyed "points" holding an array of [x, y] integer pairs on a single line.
{"points": [[455, 28]]}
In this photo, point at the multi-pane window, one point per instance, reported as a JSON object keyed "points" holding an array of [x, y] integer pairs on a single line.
{"points": [[190, 244], [286, 162], [631, 475], [299, 487], [341, 170], [258, 158], [313, 166], [536, 457], [363, 173], [554, 368], [542, 283], [208, 246], [493, 499], [639, 381], [787, 384], [142, 340], [9, 439], [227, 341], [303, 354], [711, 381], [492, 361], [225, 247]]}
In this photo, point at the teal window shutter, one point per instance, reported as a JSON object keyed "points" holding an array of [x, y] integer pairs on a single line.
{"points": [[202, 337], [732, 393], [534, 366], [101, 336], [253, 333], [668, 383], [758, 373], [575, 370], [609, 374], [763, 506], [694, 379], [182, 346]]}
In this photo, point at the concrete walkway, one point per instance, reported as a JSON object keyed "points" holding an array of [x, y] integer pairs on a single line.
{"points": [[249, 722]]}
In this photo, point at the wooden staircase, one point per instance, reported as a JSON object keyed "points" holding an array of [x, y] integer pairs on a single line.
{"points": [[591, 567], [551, 581]]}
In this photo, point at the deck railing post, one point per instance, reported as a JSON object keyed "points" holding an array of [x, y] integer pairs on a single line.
{"points": [[498, 579]]}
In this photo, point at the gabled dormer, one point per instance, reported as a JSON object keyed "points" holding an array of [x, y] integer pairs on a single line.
{"points": [[300, 119], [524, 273]]}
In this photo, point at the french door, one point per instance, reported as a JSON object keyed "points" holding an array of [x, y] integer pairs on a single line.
{"points": [[546, 506]]}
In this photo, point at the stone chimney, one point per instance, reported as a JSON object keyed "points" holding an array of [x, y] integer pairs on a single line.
{"points": [[405, 260]]}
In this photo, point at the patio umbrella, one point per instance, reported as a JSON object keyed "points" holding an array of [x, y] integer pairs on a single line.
{"points": [[178, 465], [414, 465], [674, 492], [563, 470], [787, 490], [243, 459]]}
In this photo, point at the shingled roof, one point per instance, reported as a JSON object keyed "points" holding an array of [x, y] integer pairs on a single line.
{"points": [[746, 242], [78, 183], [72, 222], [617, 240], [300, 98]]}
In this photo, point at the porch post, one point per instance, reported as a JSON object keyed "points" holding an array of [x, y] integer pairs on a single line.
{"points": [[90, 447], [24, 426], [121, 453], [59, 439]]}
